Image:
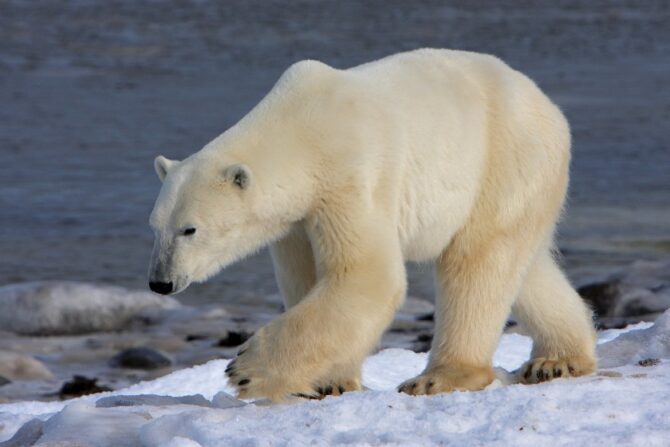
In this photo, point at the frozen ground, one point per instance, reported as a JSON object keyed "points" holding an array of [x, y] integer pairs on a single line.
{"points": [[625, 404]]}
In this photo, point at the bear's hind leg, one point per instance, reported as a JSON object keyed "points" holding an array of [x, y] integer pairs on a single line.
{"points": [[558, 320], [477, 280]]}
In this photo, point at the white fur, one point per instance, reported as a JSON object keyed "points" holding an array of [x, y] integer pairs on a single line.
{"points": [[430, 155]]}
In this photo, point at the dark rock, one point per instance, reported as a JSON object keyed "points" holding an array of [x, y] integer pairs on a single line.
{"points": [[81, 386], [422, 342], [153, 400], [425, 337], [601, 296], [4, 381], [233, 339], [27, 435], [649, 362], [140, 358], [195, 337]]}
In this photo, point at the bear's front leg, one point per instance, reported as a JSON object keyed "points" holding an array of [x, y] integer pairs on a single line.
{"points": [[323, 339]]}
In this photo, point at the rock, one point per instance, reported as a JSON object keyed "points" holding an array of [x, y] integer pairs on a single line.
{"points": [[153, 400], [233, 339], [601, 296], [648, 362], [59, 307], [637, 293], [15, 366], [27, 435], [195, 337], [638, 301], [423, 342], [140, 358], [81, 386], [426, 317]]}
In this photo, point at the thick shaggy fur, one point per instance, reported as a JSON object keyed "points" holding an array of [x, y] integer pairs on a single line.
{"points": [[431, 155]]}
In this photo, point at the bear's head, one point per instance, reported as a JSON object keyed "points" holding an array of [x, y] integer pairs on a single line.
{"points": [[205, 218]]}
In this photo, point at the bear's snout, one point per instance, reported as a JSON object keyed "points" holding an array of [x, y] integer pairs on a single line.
{"points": [[164, 288]]}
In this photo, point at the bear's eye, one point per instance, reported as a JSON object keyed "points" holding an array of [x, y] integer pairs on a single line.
{"points": [[188, 232]]}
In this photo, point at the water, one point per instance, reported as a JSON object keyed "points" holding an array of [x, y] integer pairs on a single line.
{"points": [[91, 92]]}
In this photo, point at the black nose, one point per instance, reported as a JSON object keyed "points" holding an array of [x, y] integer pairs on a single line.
{"points": [[161, 287]]}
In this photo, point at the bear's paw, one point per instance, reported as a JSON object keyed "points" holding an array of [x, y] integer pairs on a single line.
{"points": [[542, 369], [441, 379]]}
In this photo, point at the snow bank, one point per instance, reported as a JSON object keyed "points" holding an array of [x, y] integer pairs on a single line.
{"points": [[636, 346], [60, 307], [626, 404]]}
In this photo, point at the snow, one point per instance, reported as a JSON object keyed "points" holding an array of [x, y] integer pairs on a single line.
{"points": [[623, 404]]}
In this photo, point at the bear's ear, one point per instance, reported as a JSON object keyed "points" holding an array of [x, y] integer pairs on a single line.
{"points": [[238, 175], [162, 165]]}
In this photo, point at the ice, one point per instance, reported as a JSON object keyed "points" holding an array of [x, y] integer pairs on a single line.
{"points": [[62, 307], [625, 403]]}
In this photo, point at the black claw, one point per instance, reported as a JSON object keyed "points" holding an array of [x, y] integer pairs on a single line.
{"points": [[557, 372], [539, 374], [328, 390], [320, 390], [429, 385], [528, 372], [340, 388], [243, 382], [305, 396], [413, 386], [571, 370]]}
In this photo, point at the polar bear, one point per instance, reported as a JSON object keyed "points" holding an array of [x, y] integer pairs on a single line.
{"points": [[433, 155]]}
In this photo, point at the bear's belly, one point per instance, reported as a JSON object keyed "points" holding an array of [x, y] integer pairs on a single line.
{"points": [[428, 245], [429, 219]]}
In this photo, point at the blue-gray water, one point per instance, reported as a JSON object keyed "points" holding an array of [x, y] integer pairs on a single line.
{"points": [[91, 92]]}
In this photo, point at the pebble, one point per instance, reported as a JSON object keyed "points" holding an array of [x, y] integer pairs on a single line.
{"points": [[233, 339], [81, 386], [14, 366], [140, 358]]}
